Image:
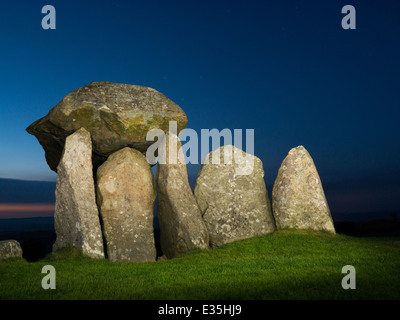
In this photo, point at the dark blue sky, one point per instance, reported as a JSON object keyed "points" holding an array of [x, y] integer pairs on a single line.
{"points": [[286, 69]]}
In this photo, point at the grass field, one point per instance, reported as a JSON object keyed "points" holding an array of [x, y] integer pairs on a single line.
{"points": [[284, 265]]}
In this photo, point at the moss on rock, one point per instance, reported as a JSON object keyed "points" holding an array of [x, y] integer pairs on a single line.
{"points": [[116, 115]]}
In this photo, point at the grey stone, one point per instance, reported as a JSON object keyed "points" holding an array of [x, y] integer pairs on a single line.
{"points": [[298, 199], [162, 258], [116, 115], [125, 196], [232, 196], [182, 228], [10, 249], [76, 217]]}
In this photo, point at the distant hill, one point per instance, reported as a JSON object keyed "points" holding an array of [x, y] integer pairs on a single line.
{"points": [[21, 191], [35, 235]]}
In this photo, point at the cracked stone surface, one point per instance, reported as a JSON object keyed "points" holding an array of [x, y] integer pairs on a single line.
{"points": [[76, 217], [233, 197], [181, 225], [298, 198], [125, 196], [116, 115]]}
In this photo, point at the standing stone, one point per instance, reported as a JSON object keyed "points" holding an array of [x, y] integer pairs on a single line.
{"points": [[298, 199], [181, 226], [125, 196], [76, 217], [232, 196], [10, 249]]}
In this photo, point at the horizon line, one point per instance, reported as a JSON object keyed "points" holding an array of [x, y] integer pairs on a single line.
{"points": [[30, 180], [27, 207]]}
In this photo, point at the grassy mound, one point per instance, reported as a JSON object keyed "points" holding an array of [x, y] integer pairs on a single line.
{"points": [[284, 265]]}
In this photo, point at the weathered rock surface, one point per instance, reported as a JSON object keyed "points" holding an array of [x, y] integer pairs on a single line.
{"points": [[10, 249], [125, 196], [181, 225], [76, 217], [233, 197], [298, 199], [116, 115]]}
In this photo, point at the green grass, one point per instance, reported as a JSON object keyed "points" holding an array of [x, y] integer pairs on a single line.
{"points": [[284, 265]]}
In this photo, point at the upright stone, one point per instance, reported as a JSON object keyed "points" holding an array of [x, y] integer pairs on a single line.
{"points": [[10, 249], [181, 226], [298, 199], [232, 196], [76, 217], [125, 196]]}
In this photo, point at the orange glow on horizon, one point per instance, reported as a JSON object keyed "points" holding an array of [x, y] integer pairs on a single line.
{"points": [[26, 207]]}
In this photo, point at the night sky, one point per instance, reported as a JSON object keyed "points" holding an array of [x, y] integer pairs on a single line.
{"points": [[286, 69]]}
